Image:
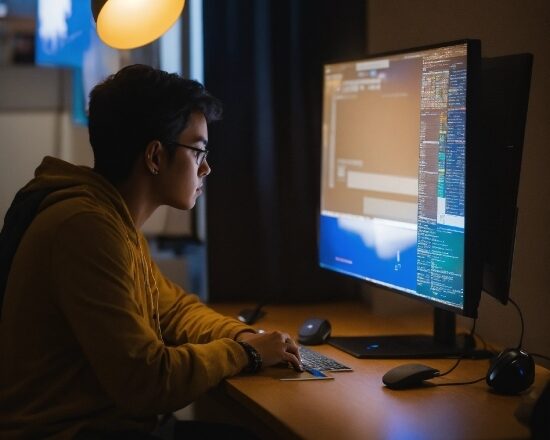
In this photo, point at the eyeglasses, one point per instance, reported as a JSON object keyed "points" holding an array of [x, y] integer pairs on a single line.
{"points": [[200, 155]]}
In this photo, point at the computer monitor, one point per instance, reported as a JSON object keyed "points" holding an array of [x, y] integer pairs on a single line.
{"points": [[401, 186], [504, 100]]}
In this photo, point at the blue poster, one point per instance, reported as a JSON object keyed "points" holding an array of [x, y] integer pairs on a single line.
{"points": [[66, 36]]}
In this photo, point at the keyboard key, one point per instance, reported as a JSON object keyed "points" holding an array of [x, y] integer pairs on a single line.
{"points": [[318, 361]]}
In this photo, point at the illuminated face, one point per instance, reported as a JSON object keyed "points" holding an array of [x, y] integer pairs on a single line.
{"points": [[184, 176]]}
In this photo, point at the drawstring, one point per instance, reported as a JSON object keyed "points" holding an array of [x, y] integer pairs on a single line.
{"points": [[154, 301]]}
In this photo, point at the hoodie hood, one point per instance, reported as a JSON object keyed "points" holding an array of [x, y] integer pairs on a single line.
{"points": [[56, 181], [64, 181]]}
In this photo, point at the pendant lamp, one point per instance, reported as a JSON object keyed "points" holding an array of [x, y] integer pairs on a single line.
{"points": [[127, 24]]}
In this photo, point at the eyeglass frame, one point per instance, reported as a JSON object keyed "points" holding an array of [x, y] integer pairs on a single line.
{"points": [[205, 151]]}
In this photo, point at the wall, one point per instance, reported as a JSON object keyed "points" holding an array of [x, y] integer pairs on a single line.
{"points": [[35, 121], [504, 27]]}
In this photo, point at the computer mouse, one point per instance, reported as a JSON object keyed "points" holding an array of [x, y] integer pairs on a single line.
{"points": [[408, 376], [314, 331], [511, 372]]}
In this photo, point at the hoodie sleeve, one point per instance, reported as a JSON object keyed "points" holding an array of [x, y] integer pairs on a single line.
{"points": [[184, 319], [91, 267]]}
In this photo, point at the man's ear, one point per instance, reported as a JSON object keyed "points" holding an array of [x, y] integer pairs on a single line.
{"points": [[153, 156]]}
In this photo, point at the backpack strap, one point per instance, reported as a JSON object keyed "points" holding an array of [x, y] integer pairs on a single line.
{"points": [[20, 215]]}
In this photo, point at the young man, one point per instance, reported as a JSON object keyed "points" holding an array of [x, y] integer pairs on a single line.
{"points": [[93, 338]]}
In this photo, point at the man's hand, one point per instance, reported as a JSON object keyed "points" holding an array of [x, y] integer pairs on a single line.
{"points": [[274, 348]]}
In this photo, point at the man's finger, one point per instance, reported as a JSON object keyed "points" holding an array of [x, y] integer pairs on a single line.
{"points": [[289, 357]]}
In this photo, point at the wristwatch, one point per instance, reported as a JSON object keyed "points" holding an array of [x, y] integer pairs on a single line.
{"points": [[254, 358]]}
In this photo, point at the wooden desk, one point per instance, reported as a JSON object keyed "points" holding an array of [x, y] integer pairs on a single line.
{"points": [[356, 405]]}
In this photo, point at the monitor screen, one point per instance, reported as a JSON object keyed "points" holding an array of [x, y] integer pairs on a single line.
{"points": [[398, 178]]}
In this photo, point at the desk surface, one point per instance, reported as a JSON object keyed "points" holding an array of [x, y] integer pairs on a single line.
{"points": [[356, 405]]}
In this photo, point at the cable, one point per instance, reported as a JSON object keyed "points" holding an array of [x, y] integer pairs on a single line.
{"points": [[492, 350], [522, 330], [520, 316], [250, 316], [540, 356], [473, 330], [472, 333], [452, 368], [459, 383], [470, 382], [485, 347], [521, 319]]}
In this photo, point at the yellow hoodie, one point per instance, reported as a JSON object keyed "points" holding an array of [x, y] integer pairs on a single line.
{"points": [[79, 342]]}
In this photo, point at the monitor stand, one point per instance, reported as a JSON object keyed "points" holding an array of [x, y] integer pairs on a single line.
{"points": [[444, 342]]}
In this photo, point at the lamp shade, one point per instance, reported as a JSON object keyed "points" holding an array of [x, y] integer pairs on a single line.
{"points": [[126, 24]]}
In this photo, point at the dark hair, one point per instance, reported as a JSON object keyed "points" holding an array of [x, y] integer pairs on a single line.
{"points": [[137, 105]]}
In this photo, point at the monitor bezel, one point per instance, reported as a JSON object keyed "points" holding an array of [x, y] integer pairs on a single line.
{"points": [[473, 250]]}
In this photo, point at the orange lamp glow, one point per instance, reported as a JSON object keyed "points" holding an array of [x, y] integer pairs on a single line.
{"points": [[127, 24]]}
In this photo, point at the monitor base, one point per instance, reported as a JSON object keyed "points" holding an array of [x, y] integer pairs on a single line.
{"points": [[405, 346]]}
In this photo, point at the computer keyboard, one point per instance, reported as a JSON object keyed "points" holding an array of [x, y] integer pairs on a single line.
{"points": [[318, 361]]}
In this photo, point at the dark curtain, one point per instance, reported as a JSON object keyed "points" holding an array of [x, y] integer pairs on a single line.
{"points": [[264, 60]]}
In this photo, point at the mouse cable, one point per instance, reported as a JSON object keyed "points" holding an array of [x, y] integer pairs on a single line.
{"points": [[521, 319], [472, 333], [451, 369], [458, 383]]}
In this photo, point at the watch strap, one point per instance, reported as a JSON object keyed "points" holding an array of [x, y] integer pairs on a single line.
{"points": [[254, 358]]}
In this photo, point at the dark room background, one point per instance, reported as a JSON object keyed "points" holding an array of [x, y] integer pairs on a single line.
{"points": [[264, 60]]}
